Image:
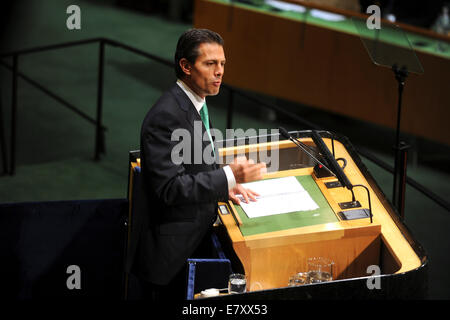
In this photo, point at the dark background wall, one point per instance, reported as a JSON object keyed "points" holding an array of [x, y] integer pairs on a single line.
{"points": [[55, 147], [40, 241]]}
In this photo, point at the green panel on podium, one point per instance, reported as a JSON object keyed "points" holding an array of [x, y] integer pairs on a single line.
{"points": [[290, 220]]}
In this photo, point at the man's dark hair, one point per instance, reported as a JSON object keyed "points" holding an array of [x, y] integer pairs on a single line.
{"points": [[187, 46]]}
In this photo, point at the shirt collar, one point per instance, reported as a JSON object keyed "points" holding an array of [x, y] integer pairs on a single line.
{"points": [[197, 101]]}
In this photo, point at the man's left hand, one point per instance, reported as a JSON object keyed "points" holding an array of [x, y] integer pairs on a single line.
{"points": [[246, 193]]}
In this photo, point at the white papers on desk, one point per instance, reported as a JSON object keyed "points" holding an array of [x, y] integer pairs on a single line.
{"points": [[277, 196], [328, 16], [285, 6]]}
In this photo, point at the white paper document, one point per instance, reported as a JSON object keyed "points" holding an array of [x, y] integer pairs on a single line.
{"points": [[277, 196], [329, 16], [286, 6]]}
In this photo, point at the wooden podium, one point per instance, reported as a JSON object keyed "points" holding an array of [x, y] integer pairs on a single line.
{"points": [[276, 249], [271, 249]]}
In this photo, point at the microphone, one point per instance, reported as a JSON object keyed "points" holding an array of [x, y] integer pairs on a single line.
{"points": [[339, 174], [284, 133], [303, 146]]}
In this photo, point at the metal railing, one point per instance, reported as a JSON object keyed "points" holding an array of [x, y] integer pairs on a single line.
{"points": [[100, 129], [14, 68]]}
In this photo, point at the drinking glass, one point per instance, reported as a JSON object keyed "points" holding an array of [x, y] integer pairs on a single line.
{"points": [[237, 283], [298, 279], [320, 269]]}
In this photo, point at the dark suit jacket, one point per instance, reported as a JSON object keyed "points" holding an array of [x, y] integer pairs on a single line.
{"points": [[182, 199]]}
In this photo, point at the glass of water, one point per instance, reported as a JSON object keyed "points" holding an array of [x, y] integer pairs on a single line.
{"points": [[237, 283], [320, 269], [298, 279]]}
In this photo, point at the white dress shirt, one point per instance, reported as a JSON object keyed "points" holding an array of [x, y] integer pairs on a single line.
{"points": [[198, 103]]}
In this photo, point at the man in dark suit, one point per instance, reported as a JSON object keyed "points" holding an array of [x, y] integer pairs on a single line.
{"points": [[183, 195]]}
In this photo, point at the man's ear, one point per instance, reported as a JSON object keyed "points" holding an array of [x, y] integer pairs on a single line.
{"points": [[185, 66]]}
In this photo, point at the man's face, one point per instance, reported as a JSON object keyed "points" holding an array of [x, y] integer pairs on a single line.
{"points": [[205, 75]]}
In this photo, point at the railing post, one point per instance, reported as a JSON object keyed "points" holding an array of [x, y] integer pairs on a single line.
{"points": [[99, 134], [230, 108], [2, 139], [15, 75], [400, 178]]}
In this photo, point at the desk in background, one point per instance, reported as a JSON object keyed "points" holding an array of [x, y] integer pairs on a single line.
{"points": [[323, 64]]}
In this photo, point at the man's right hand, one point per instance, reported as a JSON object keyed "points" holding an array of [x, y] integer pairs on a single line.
{"points": [[246, 170]]}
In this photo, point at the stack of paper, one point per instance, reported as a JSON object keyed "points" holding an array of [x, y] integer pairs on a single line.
{"points": [[276, 196], [286, 6], [329, 16]]}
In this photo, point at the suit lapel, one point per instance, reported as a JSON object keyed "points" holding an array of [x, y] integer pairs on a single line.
{"points": [[192, 114]]}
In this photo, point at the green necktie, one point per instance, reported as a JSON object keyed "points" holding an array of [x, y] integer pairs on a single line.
{"points": [[205, 119], [204, 116]]}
